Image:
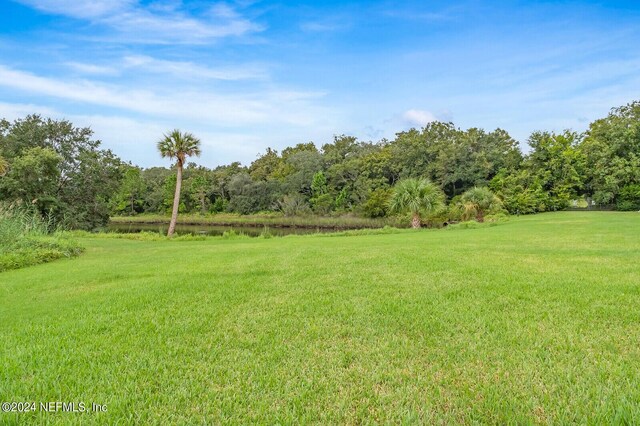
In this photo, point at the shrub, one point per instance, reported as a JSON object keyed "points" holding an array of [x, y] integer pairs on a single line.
{"points": [[629, 198], [28, 239], [232, 234], [478, 202], [293, 205], [377, 205], [266, 233], [470, 224], [322, 204], [497, 217]]}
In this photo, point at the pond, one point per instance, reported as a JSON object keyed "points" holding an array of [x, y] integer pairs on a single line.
{"points": [[252, 231]]}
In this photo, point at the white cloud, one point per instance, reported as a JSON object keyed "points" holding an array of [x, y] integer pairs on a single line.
{"points": [[134, 139], [418, 118], [192, 70], [136, 23], [80, 9], [91, 68], [12, 112], [263, 106]]}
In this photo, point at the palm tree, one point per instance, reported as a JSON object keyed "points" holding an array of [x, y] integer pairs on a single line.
{"points": [[178, 145], [416, 196], [476, 202], [4, 166]]}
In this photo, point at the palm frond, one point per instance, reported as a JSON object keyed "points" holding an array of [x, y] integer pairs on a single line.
{"points": [[415, 196], [178, 145]]}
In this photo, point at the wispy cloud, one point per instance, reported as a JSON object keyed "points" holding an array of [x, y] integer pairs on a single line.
{"points": [[190, 70], [323, 26], [92, 69], [82, 9], [285, 106], [184, 70], [421, 15], [131, 21], [418, 118], [11, 111]]}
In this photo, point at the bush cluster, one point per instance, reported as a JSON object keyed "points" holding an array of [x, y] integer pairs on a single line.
{"points": [[26, 238]]}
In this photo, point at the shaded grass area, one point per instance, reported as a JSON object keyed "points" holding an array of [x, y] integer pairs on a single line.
{"points": [[268, 219], [531, 321]]}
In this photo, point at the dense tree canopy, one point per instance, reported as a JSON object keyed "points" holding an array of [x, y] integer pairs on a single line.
{"points": [[59, 169], [63, 172], [611, 152]]}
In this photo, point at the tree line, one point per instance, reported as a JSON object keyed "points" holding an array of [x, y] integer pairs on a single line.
{"points": [[63, 172]]}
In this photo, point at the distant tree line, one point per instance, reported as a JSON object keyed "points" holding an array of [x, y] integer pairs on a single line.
{"points": [[62, 171]]}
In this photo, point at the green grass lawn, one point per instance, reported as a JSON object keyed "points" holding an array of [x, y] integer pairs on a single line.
{"points": [[536, 320]]}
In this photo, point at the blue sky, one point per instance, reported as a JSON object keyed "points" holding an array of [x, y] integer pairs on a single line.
{"points": [[246, 75]]}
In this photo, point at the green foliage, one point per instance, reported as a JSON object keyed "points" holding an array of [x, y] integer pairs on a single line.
{"points": [[377, 205], [415, 196], [321, 201], [271, 219], [322, 204], [129, 199], [26, 238], [199, 187], [232, 235], [497, 217], [550, 176], [303, 166], [318, 184], [556, 162], [629, 198], [293, 205], [267, 166], [477, 202], [34, 178], [59, 169], [35, 250], [521, 192], [266, 233], [4, 166], [248, 196], [345, 176], [342, 199], [179, 145], [611, 152], [219, 205], [456, 159]]}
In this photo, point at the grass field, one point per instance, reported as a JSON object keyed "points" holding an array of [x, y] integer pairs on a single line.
{"points": [[536, 320]]}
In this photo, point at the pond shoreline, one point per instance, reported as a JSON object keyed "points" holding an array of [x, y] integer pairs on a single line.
{"points": [[300, 223]]}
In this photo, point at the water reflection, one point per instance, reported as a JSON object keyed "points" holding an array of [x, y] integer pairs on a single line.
{"points": [[252, 231]]}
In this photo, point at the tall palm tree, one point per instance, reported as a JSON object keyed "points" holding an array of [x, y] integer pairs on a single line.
{"points": [[416, 196], [4, 166], [178, 145], [478, 201]]}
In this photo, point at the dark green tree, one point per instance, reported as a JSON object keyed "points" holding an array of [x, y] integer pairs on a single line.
{"points": [[611, 152]]}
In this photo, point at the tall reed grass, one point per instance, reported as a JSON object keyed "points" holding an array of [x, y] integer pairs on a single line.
{"points": [[28, 238]]}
